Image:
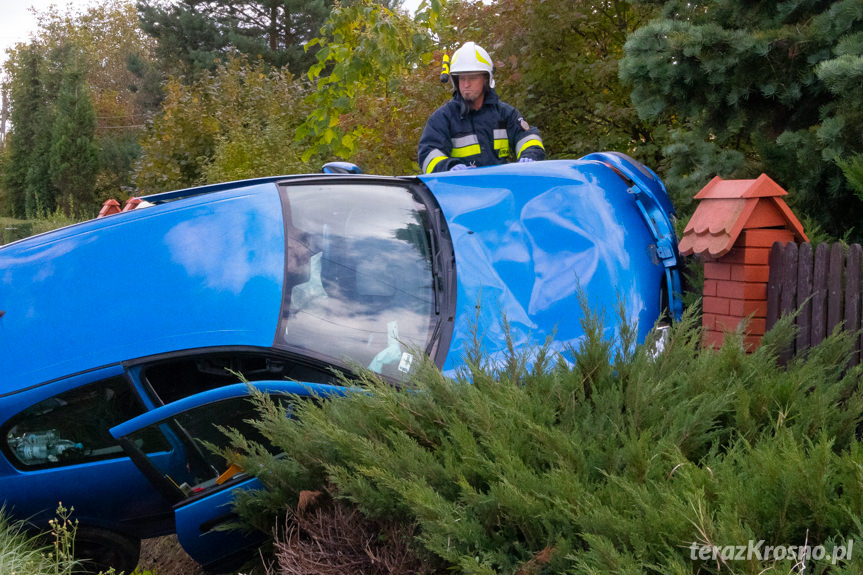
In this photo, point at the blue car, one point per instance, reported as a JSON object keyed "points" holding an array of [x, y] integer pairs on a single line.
{"points": [[121, 338]]}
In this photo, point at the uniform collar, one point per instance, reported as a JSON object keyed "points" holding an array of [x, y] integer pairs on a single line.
{"points": [[490, 99]]}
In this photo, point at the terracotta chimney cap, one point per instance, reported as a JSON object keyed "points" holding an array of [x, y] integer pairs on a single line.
{"points": [[728, 207], [761, 187]]}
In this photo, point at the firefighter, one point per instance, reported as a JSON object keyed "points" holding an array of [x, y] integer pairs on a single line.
{"points": [[475, 128]]}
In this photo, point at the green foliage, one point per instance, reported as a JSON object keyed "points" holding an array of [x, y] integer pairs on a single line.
{"points": [[616, 460], [12, 229], [117, 158], [193, 36], [120, 78], [257, 140], [23, 553], [853, 170], [366, 68], [745, 88], [25, 94], [234, 123]]}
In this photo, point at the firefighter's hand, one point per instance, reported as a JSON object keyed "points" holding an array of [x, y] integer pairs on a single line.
{"points": [[525, 160], [458, 167]]}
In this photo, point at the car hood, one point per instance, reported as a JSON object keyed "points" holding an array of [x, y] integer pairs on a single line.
{"points": [[527, 237], [203, 272]]}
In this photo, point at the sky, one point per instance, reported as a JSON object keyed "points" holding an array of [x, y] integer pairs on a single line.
{"points": [[17, 22]]}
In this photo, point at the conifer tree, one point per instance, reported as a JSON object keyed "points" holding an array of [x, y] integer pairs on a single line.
{"points": [[25, 92], [40, 194], [751, 87], [74, 153]]}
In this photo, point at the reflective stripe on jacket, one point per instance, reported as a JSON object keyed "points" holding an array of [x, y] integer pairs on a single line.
{"points": [[485, 137]]}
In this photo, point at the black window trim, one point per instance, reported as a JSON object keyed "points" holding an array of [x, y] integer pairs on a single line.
{"points": [[284, 354]]}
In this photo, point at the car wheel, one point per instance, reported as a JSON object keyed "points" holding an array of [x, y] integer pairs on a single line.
{"points": [[100, 549]]}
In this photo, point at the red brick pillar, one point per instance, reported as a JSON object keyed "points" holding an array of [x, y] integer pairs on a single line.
{"points": [[735, 287], [733, 229]]}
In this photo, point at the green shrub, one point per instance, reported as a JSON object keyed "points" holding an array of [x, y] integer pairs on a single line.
{"points": [[22, 553], [609, 460]]}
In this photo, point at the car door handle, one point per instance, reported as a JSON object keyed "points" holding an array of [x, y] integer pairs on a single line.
{"points": [[211, 524]]}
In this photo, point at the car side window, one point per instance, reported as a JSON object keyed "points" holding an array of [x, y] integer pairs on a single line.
{"points": [[173, 379], [196, 465], [72, 427]]}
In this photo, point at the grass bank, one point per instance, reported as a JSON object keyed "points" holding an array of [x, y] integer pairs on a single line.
{"points": [[12, 229]]}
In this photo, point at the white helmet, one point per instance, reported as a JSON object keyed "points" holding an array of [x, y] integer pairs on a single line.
{"points": [[472, 58]]}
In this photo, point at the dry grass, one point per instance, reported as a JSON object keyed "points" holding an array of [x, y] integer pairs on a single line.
{"points": [[325, 537]]}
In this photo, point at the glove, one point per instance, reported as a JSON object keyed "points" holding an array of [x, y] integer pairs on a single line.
{"points": [[391, 353], [458, 167], [525, 160]]}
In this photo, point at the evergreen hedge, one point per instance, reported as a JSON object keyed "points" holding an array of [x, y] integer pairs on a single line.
{"points": [[612, 459]]}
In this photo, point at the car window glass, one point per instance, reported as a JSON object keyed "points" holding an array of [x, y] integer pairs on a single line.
{"points": [[191, 465], [359, 283], [72, 427], [177, 378]]}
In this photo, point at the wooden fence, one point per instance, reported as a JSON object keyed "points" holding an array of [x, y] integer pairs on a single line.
{"points": [[826, 286]]}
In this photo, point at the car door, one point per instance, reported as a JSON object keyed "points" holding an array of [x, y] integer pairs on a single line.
{"points": [[55, 446], [199, 482]]}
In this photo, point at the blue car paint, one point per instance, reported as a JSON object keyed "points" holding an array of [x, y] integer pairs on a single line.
{"points": [[203, 269], [214, 545], [526, 237], [195, 273], [209, 545]]}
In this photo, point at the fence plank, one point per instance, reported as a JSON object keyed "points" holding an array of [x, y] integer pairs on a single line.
{"points": [[860, 292], [804, 290], [819, 294], [852, 294], [774, 283], [788, 302], [834, 287], [789, 280]]}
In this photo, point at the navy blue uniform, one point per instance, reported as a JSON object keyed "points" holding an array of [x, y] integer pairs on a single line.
{"points": [[457, 134]]}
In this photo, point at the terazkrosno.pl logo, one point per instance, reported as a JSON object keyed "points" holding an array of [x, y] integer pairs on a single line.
{"points": [[757, 550]]}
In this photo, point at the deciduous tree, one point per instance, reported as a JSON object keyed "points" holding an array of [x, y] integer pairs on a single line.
{"points": [[373, 92], [557, 61], [237, 122], [105, 39]]}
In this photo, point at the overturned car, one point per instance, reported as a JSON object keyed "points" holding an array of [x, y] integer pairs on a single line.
{"points": [[121, 338]]}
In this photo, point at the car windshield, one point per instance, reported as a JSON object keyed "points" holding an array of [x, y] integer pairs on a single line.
{"points": [[359, 281]]}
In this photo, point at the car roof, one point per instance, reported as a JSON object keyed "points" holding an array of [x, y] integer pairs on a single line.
{"points": [[202, 267], [204, 271]]}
